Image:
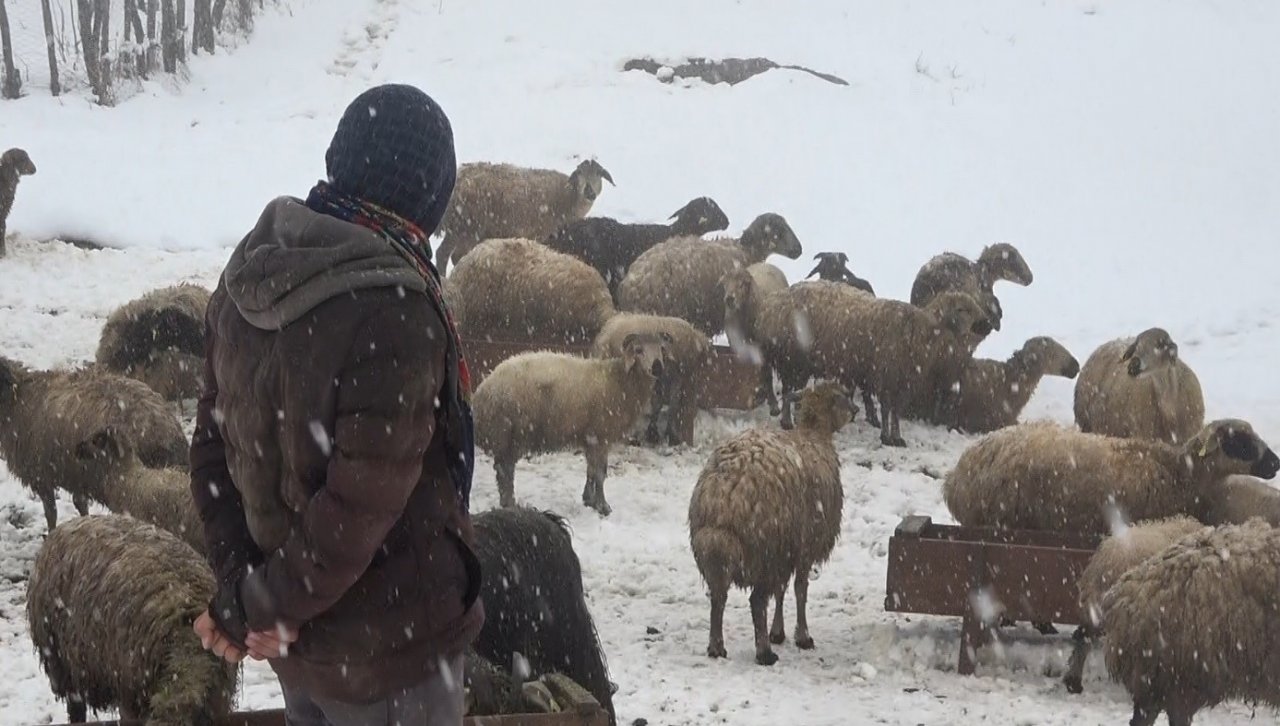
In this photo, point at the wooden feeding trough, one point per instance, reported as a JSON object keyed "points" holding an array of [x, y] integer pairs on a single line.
{"points": [[1023, 575], [727, 380]]}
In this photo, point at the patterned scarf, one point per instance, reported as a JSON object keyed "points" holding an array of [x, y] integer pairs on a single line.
{"points": [[414, 245]]}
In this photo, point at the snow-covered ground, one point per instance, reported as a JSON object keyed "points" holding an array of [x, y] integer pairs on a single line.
{"points": [[1128, 149]]}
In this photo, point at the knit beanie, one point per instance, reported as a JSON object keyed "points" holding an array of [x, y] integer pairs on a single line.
{"points": [[394, 148]]}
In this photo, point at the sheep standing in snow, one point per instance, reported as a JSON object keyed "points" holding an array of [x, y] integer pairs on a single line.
{"points": [[1241, 498], [520, 290], [1195, 625], [498, 201], [1139, 387], [1044, 476], [834, 267], [14, 164], [611, 246], [767, 507], [989, 394], [745, 291], [950, 272], [536, 402], [677, 387], [110, 605], [537, 607], [1115, 556], [683, 277], [46, 415], [159, 340]]}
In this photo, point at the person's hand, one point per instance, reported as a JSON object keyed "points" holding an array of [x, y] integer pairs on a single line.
{"points": [[213, 639], [269, 644]]}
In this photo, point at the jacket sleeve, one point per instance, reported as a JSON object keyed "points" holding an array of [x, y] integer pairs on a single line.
{"points": [[383, 423], [231, 550]]}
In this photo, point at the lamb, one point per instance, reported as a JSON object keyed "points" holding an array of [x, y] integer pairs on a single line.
{"points": [[1043, 476], [496, 201], [110, 604], [683, 277], [1139, 387], [537, 608], [159, 340], [1195, 625], [891, 349], [520, 290], [767, 506], [45, 415], [1115, 556], [536, 402], [834, 267], [745, 291], [989, 394], [14, 164], [677, 387], [950, 272], [611, 246], [1239, 499]]}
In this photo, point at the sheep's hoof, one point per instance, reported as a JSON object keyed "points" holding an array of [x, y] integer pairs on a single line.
{"points": [[775, 409], [600, 506], [716, 650], [787, 424], [1073, 684], [767, 658], [804, 642], [896, 441], [778, 638], [1045, 628]]}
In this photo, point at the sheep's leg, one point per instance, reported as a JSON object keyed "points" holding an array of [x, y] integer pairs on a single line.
{"points": [[787, 421], [443, 252], [869, 406], [653, 433], [719, 596], [597, 468], [1145, 712], [890, 434], [77, 710], [760, 623], [1180, 712], [778, 633], [1074, 679], [81, 502], [765, 392], [682, 412], [504, 467], [803, 640], [50, 503]]}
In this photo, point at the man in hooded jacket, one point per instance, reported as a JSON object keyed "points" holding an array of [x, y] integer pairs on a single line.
{"points": [[333, 450]]}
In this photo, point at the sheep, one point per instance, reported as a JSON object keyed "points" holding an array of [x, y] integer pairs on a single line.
{"points": [[497, 201], [611, 246], [14, 164], [989, 394], [1195, 625], [1115, 556], [522, 291], [1044, 476], [161, 497], [159, 340], [834, 267], [532, 590], [682, 371], [45, 415], [767, 506], [683, 277], [541, 401], [1139, 387], [110, 604], [888, 348], [744, 293], [1239, 499], [956, 273]]}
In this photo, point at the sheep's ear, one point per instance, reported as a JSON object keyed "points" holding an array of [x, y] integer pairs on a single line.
{"points": [[667, 338], [1128, 352], [627, 341]]}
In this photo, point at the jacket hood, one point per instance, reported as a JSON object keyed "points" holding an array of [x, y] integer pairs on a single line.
{"points": [[295, 259]]}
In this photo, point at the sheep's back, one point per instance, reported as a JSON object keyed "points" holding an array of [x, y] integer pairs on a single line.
{"points": [[689, 348], [1240, 498], [944, 273], [1120, 553], [504, 200], [520, 290], [681, 278], [1164, 405]]}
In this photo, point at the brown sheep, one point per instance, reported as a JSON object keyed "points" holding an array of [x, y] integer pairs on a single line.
{"points": [[500, 201], [682, 370], [520, 290], [45, 415], [14, 164], [1139, 388], [159, 340], [1239, 499], [950, 272], [683, 277], [767, 507], [744, 293], [110, 604]]}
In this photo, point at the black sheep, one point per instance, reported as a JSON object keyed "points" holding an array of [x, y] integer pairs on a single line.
{"points": [[833, 267]]}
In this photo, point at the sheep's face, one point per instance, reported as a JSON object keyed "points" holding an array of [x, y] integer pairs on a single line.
{"points": [[1230, 446], [105, 446], [738, 290], [995, 313], [648, 352], [960, 314], [17, 160], [1003, 262], [825, 406], [1051, 357], [588, 180], [700, 216], [770, 234], [832, 267], [1152, 350]]}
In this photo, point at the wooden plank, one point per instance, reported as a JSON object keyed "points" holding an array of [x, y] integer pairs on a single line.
{"points": [[912, 526], [580, 716]]}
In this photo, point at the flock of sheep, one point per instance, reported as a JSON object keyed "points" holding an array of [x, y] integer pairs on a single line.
{"points": [[1183, 588]]}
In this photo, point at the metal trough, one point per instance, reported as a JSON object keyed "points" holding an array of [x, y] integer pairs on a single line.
{"points": [[1027, 575]]}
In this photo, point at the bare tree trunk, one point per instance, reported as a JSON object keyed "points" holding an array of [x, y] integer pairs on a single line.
{"points": [[54, 86], [246, 15], [202, 35], [168, 34], [153, 48], [182, 31], [219, 8], [102, 32], [11, 84], [88, 42]]}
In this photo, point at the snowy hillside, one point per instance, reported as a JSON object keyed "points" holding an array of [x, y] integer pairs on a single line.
{"points": [[1128, 149]]}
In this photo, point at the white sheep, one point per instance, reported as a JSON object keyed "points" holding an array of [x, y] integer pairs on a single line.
{"points": [[1044, 476], [1241, 498], [538, 402], [745, 291]]}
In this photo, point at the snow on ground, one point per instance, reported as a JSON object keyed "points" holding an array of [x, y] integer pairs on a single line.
{"points": [[1128, 149]]}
